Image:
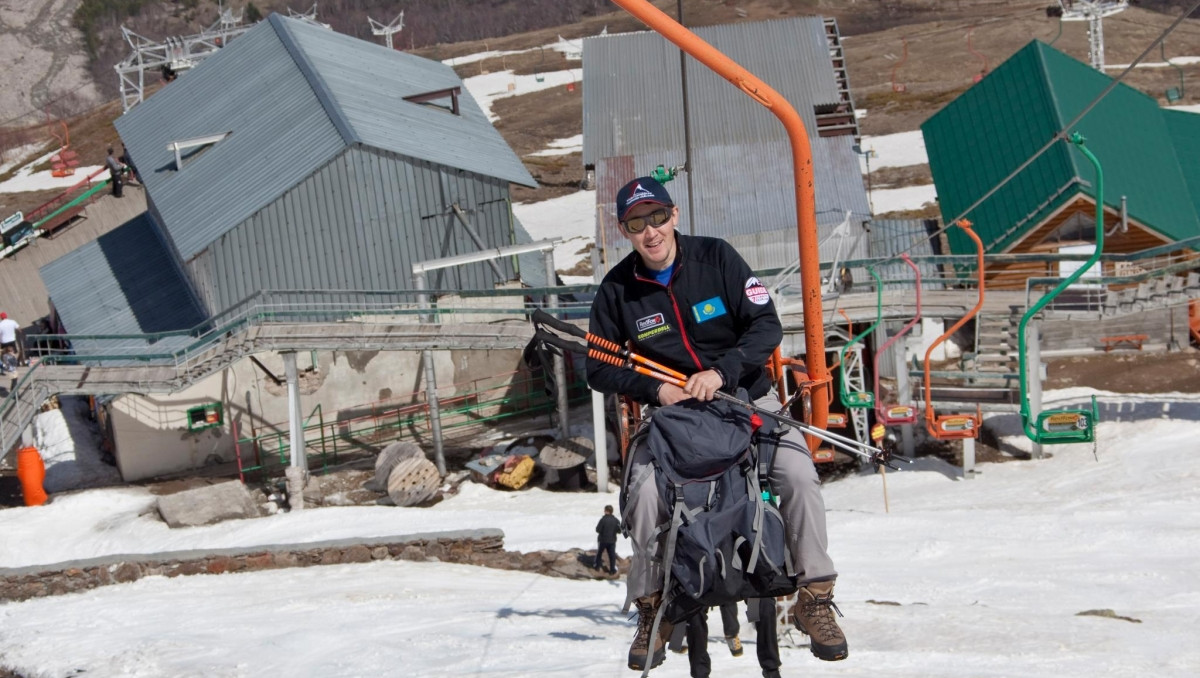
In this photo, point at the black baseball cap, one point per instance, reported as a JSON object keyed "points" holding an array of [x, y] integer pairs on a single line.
{"points": [[638, 191]]}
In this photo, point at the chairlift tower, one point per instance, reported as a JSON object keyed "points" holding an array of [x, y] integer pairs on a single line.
{"points": [[389, 30], [172, 55], [1093, 12], [309, 17]]}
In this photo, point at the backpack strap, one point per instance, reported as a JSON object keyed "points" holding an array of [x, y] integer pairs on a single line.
{"points": [[669, 557]]}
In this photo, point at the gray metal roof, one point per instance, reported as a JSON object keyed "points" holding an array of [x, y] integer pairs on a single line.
{"points": [[294, 96], [124, 282], [741, 171]]}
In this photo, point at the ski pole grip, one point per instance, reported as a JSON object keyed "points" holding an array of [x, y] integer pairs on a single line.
{"points": [[559, 342], [540, 316], [596, 354]]}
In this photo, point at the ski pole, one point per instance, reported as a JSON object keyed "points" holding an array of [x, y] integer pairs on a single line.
{"points": [[877, 455], [540, 316]]}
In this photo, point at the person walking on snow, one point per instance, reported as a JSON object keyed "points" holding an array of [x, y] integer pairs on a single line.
{"points": [[606, 539], [693, 304]]}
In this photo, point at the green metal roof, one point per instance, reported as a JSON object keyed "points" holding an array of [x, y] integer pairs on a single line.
{"points": [[1184, 128], [988, 131]]}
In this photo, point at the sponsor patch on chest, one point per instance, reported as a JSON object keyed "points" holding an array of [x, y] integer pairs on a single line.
{"points": [[756, 292], [650, 322], [708, 309]]}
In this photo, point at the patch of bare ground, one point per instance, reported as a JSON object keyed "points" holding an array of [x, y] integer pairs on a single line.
{"points": [[939, 65], [928, 211], [584, 265], [899, 177], [1128, 372]]}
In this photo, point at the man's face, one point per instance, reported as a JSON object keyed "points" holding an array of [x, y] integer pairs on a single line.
{"points": [[655, 244]]}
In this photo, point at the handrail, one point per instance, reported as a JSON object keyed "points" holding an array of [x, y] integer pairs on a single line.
{"points": [[964, 426], [802, 183], [1080, 428], [881, 412], [49, 204]]}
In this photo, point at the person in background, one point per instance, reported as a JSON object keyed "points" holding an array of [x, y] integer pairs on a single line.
{"points": [[116, 171], [607, 530], [128, 162], [9, 355]]}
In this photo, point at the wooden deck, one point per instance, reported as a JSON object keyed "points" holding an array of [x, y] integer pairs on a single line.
{"points": [[22, 294]]}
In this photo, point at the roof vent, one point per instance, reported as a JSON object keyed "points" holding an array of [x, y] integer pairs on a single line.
{"points": [[445, 99], [190, 148]]}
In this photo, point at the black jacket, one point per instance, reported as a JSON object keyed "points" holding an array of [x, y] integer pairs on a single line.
{"points": [[714, 313], [607, 528]]}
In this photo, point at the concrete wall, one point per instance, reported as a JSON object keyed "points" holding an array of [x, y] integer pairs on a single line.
{"points": [[150, 431], [1083, 332]]}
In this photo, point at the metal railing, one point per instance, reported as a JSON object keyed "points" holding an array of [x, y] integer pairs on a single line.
{"points": [[338, 319], [473, 404]]}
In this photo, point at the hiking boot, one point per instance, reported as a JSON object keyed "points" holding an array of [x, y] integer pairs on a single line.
{"points": [[813, 615], [646, 649], [735, 645], [771, 673]]}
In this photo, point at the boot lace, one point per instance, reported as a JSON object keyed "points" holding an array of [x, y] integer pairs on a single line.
{"points": [[818, 610], [645, 613]]}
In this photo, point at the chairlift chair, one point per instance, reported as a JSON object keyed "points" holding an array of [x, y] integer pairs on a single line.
{"points": [[955, 426], [1066, 425], [896, 415]]}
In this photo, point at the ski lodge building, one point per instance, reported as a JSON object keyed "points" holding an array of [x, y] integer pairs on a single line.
{"points": [[1150, 158], [288, 169]]}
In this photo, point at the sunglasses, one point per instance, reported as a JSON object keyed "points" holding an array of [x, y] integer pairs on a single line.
{"points": [[638, 224]]}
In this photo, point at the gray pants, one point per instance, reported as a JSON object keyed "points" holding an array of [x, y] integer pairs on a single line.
{"points": [[794, 479]]}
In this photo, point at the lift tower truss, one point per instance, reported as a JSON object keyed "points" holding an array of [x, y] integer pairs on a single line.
{"points": [[1092, 12], [389, 30], [171, 56]]}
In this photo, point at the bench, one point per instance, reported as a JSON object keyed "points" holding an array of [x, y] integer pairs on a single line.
{"points": [[1133, 340]]}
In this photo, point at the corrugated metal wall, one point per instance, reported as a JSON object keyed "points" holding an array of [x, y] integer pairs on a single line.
{"points": [[741, 171], [888, 238], [359, 223]]}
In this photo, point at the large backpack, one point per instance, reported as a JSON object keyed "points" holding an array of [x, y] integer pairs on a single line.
{"points": [[726, 540]]}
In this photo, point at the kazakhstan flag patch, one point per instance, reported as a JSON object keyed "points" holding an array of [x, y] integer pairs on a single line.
{"points": [[708, 309]]}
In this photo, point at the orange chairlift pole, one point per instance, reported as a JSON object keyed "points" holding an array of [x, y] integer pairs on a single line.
{"points": [[897, 414], [955, 426], [806, 211], [983, 70]]}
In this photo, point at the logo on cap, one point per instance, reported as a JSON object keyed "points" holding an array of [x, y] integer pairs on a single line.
{"points": [[639, 193]]}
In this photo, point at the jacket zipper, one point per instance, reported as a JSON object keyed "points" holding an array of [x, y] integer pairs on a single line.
{"points": [[678, 316]]}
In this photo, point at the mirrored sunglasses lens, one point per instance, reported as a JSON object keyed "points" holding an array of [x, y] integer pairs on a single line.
{"points": [[655, 218], [659, 217], [635, 225]]}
